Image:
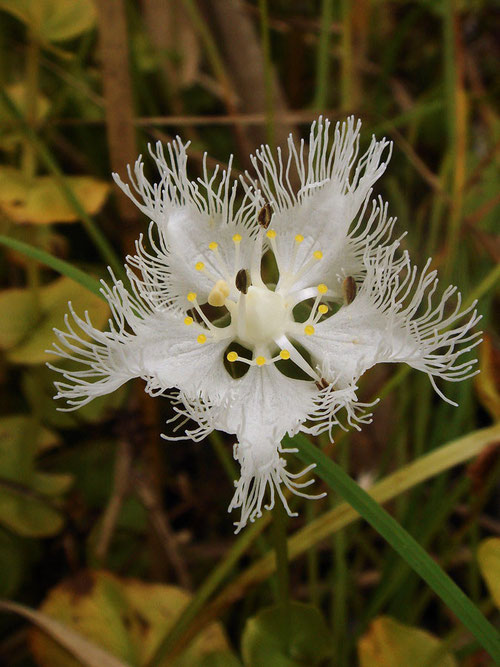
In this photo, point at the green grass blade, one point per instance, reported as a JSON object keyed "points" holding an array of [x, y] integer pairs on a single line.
{"points": [[402, 542], [59, 265]]}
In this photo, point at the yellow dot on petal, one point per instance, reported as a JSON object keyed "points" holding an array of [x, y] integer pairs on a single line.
{"points": [[213, 245], [323, 309], [202, 339], [285, 354], [309, 330], [191, 296], [188, 320], [199, 266], [237, 238], [317, 254], [260, 361], [232, 356], [271, 234], [299, 238], [322, 288]]}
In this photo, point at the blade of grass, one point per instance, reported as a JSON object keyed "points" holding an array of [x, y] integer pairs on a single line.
{"points": [[59, 265], [402, 542]]}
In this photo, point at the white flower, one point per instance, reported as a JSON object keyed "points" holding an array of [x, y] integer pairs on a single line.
{"points": [[361, 303]]}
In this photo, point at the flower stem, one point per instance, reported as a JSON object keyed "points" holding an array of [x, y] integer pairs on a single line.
{"points": [[282, 566]]}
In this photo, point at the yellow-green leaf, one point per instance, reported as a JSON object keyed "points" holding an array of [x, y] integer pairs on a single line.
{"points": [[126, 617], [88, 654], [17, 316], [488, 556], [40, 200], [388, 643], [54, 305], [25, 505], [53, 20]]}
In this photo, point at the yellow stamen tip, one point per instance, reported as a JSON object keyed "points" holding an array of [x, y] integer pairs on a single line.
{"points": [[260, 361], [188, 320], [271, 234], [285, 354], [309, 330], [213, 245], [201, 339], [323, 309], [191, 296], [232, 356], [299, 238], [317, 254], [237, 238], [199, 266], [322, 288]]}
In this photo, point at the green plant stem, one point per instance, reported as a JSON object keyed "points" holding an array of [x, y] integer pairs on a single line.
{"points": [[59, 265], [210, 584], [403, 543], [280, 520], [281, 553]]}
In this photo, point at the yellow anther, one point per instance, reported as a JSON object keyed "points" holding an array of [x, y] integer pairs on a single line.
{"points": [[323, 309], [201, 339], [299, 238], [191, 296], [309, 330], [322, 288], [217, 296], [317, 254], [199, 266], [285, 354], [232, 356], [260, 361], [213, 246], [271, 234], [237, 238], [188, 320]]}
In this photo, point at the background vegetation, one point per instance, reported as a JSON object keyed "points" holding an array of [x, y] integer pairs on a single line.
{"points": [[113, 531]]}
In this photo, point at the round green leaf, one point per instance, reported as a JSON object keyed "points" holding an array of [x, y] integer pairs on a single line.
{"points": [[389, 643], [275, 638]]}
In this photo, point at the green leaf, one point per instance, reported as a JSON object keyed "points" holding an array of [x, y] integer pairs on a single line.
{"points": [[488, 556], [53, 20], [123, 616], [389, 643], [25, 507], [53, 303], [288, 637], [407, 547]]}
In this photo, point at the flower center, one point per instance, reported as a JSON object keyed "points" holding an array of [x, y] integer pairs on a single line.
{"points": [[260, 316]]}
